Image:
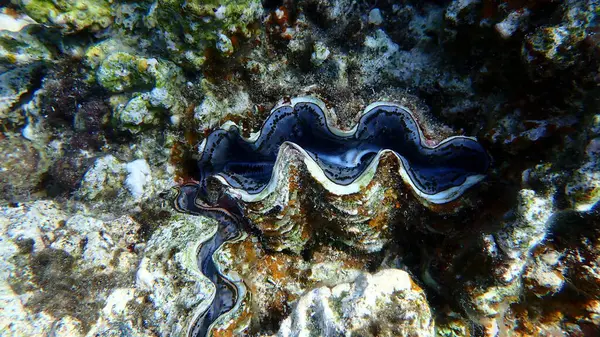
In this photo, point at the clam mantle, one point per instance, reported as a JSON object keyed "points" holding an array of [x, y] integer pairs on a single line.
{"points": [[342, 161], [253, 183]]}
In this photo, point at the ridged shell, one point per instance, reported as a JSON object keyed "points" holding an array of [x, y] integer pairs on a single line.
{"points": [[292, 186]]}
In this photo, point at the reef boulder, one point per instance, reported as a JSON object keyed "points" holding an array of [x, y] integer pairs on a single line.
{"points": [[388, 303], [70, 16]]}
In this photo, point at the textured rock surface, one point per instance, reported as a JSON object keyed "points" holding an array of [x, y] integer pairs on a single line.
{"points": [[21, 168], [170, 274], [584, 187], [21, 56], [70, 16], [62, 270], [112, 184], [384, 304]]}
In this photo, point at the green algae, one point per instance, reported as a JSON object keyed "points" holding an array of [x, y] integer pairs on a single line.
{"points": [[188, 28], [71, 16], [123, 72], [145, 90], [21, 48]]}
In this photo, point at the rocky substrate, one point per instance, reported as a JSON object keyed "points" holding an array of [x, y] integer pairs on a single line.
{"points": [[103, 105]]}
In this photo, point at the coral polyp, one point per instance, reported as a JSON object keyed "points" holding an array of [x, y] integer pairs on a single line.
{"points": [[257, 176]]}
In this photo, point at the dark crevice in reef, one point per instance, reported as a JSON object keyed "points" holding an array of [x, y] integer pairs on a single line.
{"points": [[153, 214], [537, 89], [67, 90], [441, 250], [316, 14], [301, 59], [569, 228], [346, 31], [217, 67], [271, 5], [79, 115], [65, 174], [55, 39], [455, 260], [503, 182]]}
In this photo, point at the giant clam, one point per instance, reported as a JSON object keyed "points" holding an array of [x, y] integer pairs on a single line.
{"points": [[263, 183]]}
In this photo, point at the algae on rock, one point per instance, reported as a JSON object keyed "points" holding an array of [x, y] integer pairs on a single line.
{"points": [[22, 166], [123, 72], [144, 89], [59, 270], [21, 48], [188, 28], [70, 16]]}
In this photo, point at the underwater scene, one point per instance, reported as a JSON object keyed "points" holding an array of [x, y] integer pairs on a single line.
{"points": [[299, 168]]}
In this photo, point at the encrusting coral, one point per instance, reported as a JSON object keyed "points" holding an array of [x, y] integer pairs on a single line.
{"points": [[188, 29], [70, 16], [145, 91]]}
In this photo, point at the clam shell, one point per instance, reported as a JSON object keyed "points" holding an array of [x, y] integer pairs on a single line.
{"points": [[301, 178]]}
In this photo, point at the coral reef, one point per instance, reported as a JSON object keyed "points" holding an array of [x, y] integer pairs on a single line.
{"points": [[188, 31], [144, 90], [109, 110]]}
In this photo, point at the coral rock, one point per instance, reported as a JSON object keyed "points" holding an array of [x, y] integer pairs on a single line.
{"points": [[559, 45], [584, 187], [384, 304], [21, 168], [70, 16], [156, 86], [375, 17], [188, 28], [60, 270]]}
